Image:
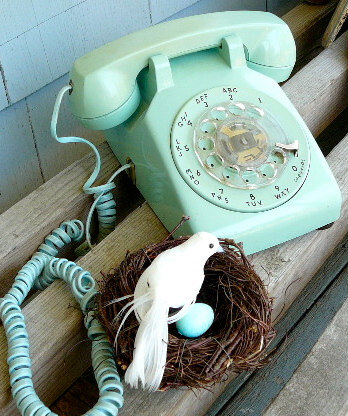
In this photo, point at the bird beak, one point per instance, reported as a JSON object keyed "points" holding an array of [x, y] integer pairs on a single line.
{"points": [[220, 249]]}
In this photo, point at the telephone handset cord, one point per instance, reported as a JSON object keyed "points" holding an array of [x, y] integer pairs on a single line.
{"points": [[42, 270], [39, 272], [104, 201]]}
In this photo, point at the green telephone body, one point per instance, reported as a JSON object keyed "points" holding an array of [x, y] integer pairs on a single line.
{"points": [[196, 106]]}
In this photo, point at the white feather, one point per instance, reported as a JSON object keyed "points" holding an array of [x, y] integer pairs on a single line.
{"points": [[150, 348], [132, 307], [173, 279]]}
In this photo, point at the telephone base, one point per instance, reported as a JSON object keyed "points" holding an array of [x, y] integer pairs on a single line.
{"points": [[303, 198], [196, 106]]}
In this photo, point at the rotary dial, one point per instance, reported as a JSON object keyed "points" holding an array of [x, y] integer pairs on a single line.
{"points": [[241, 145], [240, 149]]}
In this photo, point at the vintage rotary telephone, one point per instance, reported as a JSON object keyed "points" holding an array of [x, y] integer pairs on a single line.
{"points": [[194, 104], [193, 107]]}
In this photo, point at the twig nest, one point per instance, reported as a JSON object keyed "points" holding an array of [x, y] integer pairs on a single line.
{"points": [[236, 340]]}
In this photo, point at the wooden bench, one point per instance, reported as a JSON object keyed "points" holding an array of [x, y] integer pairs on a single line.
{"points": [[318, 90]]}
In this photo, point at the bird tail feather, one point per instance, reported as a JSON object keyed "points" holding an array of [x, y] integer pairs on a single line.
{"points": [[150, 348], [133, 305], [181, 312]]}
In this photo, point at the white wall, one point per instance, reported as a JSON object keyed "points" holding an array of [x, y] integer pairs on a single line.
{"points": [[39, 41]]}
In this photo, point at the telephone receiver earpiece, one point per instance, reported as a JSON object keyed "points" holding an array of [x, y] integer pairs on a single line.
{"points": [[105, 90]]}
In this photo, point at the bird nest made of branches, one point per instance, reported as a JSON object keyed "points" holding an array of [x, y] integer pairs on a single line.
{"points": [[237, 339]]}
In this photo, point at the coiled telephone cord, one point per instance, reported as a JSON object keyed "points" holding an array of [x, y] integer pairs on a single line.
{"points": [[104, 201], [39, 272]]}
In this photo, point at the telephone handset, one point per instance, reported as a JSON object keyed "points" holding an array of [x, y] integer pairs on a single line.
{"points": [[195, 105], [106, 92]]}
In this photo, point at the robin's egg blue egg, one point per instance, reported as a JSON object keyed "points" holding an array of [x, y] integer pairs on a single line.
{"points": [[197, 321]]}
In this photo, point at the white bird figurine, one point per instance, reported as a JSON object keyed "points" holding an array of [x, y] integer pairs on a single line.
{"points": [[172, 280]]}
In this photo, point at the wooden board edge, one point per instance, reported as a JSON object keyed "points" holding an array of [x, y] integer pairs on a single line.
{"points": [[306, 300], [263, 386]]}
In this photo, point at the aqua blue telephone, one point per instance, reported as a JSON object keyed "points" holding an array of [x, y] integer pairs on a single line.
{"points": [[195, 105]]}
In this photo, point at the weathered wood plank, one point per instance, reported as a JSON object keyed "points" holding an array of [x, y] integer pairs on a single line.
{"points": [[79, 397], [308, 95], [63, 199], [332, 134], [333, 266], [54, 157], [280, 7], [308, 34], [265, 384], [140, 228], [17, 165], [320, 384], [336, 22], [278, 265]]}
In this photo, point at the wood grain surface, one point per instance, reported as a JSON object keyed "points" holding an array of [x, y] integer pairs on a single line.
{"points": [[319, 386], [292, 344], [254, 387], [335, 24], [307, 22], [314, 104]]}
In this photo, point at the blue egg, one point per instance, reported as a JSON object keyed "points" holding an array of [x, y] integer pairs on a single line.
{"points": [[198, 320]]}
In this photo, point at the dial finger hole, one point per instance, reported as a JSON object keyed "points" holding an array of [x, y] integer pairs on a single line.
{"points": [[278, 157], [231, 172], [236, 109], [219, 113], [268, 170], [250, 177], [214, 161], [207, 126], [206, 144], [255, 112]]}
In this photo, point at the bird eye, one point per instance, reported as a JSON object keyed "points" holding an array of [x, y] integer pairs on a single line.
{"points": [[211, 245]]}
